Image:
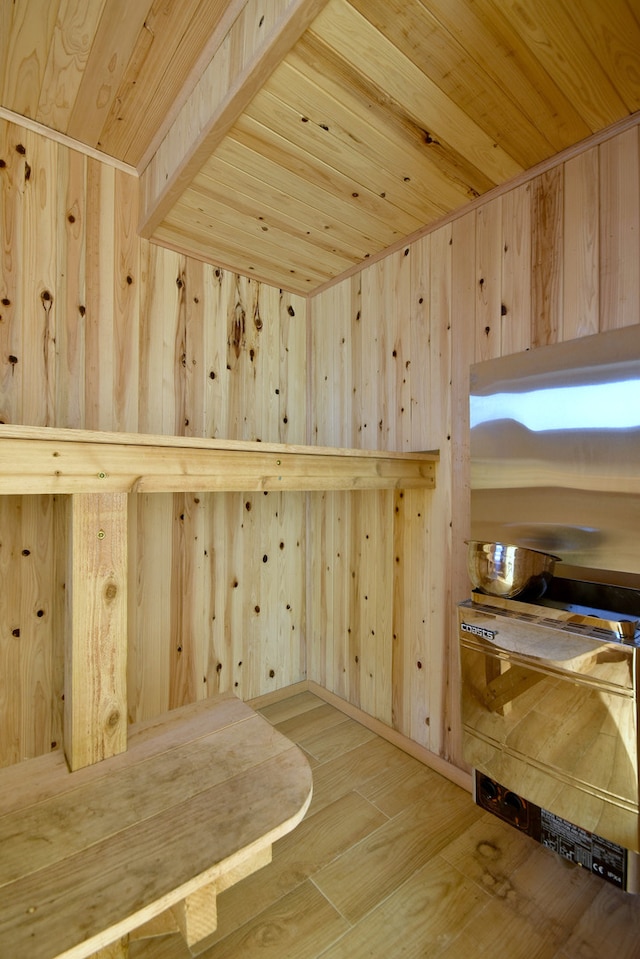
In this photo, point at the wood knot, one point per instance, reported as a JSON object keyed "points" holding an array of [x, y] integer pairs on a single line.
{"points": [[111, 591], [113, 719]]}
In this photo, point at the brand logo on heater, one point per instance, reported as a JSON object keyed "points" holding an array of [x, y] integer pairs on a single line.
{"points": [[479, 631]]}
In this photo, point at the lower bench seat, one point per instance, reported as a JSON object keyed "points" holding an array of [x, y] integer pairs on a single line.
{"points": [[192, 806]]}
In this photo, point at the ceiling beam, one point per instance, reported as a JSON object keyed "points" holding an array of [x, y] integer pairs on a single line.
{"points": [[219, 98]]}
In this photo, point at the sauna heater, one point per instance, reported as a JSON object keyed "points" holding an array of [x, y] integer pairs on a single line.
{"points": [[550, 682]]}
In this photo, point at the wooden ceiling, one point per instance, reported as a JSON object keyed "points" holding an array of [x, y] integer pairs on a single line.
{"points": [[291, 139]]}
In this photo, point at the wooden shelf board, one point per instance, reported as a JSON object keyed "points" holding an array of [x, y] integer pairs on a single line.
{"points": [[49, 460]]}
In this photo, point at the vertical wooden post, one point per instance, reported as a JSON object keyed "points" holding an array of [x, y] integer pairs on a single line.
{"points": [[95, 707]]}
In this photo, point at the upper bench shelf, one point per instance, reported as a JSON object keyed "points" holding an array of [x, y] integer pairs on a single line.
{"points": [[50, 460]]}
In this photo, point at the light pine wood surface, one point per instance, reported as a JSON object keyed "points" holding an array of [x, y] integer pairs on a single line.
{"points": [[394, 860], [104, 331]]}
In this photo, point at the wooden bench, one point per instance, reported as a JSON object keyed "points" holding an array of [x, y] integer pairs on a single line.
{"points": [[192, 806]]}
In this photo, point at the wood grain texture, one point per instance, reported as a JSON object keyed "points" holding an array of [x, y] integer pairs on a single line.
{"points": [[483, 884], [96, 635], [142, 342], [151, 814], [189, 359], [289, 140], [259, 46], [543, 252]]}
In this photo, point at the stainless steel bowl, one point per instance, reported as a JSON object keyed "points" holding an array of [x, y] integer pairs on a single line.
{"points": [[501, 569]]}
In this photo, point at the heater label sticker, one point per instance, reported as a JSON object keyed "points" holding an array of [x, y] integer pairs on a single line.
{"points": [[480, 631], [600, 856]]}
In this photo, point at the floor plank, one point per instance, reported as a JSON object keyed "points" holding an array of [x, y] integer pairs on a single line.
{"points": [[361, 878], [394, 860]]}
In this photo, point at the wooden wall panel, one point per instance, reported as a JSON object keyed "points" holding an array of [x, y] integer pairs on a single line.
{"points": [[100, 329], [619, 234], [554, 258], [358, 589]]}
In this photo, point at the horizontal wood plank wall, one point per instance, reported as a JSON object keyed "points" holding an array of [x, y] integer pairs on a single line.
{"points": [[555, 258], [100, 329]]}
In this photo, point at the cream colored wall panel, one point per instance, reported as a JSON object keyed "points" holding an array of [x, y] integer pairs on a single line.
{"points": [[290, 377], [287, 619], [320, 630]]}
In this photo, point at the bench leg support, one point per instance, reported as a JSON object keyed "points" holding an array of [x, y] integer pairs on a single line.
{"points": [[116, 950], [196, 915]]}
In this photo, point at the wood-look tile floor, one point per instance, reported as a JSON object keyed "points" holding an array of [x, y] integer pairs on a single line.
{"points": [[393, 860]]}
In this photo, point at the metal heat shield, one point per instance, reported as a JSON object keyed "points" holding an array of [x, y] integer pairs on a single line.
{"points": [[555, 453]]}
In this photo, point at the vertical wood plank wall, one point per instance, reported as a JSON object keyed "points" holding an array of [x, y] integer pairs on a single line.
{"points": [[100, 329], [552, 259]]}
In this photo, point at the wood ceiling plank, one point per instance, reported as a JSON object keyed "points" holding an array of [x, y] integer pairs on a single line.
{"points": [[363, 131], [31, 25], [486, 33], [177, 161], [288, 156], [296, 265], [216, 218], [236, 258], [67, 61], [342, 154], [551, 34], [277, 209], [416, 32], [408, 89], [613, 33], [232, 10], [113, 45], [343, 209], [441, 168], [172, 37]]}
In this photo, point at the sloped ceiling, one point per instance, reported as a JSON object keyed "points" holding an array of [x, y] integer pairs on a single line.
{"points": [[292, 139]]}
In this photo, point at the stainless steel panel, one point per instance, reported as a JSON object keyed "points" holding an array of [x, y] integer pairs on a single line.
{"points": [[553, 716], [555, 452]]}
